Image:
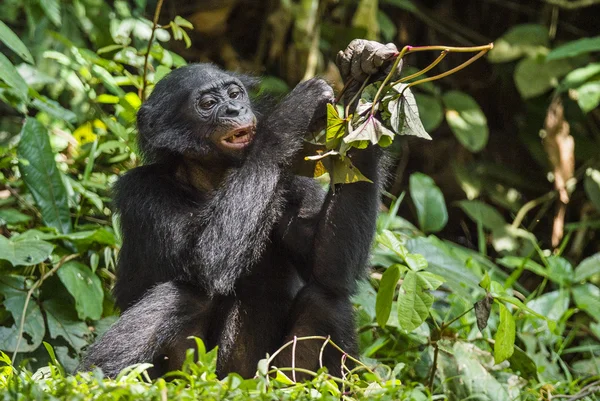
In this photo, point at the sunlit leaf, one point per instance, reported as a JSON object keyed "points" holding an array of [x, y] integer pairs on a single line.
{"points": [[588, 96], [504, 340], [466, 120], [404, 114], [370, 130], [385, 294], [344, 172], [52, 10], [336, 127]]}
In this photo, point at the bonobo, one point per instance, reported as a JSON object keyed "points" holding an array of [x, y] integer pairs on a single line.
{"points": [[222, 241]]}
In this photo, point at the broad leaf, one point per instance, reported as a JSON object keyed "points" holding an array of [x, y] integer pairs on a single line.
{"points": [[61, 322], [429, 203], [414, 299], [466, 120], [24, 253], [41, 176], [535, 76], [13, 216], [85, 287], [504, 340], [393, 241], [404, 114], [385, 294], [342, 171], [587, 298], [579, 76], [519, 41], [371, 130], [552, 304], [575, 48], [33, 324], [482, 213], [588, 96], [588, 268], [560, 270], [11, 76], [336, 127], [12, 41]]}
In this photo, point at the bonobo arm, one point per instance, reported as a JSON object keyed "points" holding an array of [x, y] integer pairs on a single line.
{"points": [[214, 239]]}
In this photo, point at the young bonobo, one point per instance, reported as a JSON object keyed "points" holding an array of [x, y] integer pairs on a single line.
{"points": [[222, 241]]}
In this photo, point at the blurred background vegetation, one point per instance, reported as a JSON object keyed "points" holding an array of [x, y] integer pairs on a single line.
{"points": [[507, 194]]}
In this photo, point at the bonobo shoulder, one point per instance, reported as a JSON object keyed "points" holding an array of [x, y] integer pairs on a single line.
{"points": [[143, 184]]}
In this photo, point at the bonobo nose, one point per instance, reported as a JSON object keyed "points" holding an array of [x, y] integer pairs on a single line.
{"points": [[234, 110]]}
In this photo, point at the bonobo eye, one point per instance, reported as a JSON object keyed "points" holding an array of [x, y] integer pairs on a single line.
{"points": [[235, 92], [207, 103]]}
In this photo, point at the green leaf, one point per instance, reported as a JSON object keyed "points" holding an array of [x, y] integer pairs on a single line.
{"points": [[429, 202], [11, 76], [41, 176], [504, 340], [519, 41], [385, 294], [24, 253], [413, 301], [575, 48], [13, 216], [182, 22], [33, 324], [522, 363], [587, 268], [431, 111], [552, 305], [52, 10], [535, 76], [513, 262], [591, 184], [516, 302], [579, 76], [336, 127], [466, 120], [344, 172], [370, 130], [560, 270], [587, 298], [588, 96], [12, 41], [63, 323], [85, 287], [482, 213], [404, 114]]}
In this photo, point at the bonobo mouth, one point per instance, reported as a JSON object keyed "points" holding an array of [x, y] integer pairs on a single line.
{"points": [[239, 137]]}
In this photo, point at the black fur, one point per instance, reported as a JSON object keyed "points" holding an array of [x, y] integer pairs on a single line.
{"points": [[232, 247]]}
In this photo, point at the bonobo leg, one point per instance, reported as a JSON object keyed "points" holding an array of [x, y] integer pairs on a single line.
{"points": [[151, 331]]}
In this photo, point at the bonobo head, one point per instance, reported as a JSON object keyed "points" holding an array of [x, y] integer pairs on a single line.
{"points": [[199, 112]]}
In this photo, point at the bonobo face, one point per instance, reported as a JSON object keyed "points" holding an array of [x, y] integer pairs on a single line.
{"points": [[221, 103], [197, 111]]}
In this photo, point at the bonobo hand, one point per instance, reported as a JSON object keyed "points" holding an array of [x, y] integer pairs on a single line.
{"points": [[305, 108], [364, 58]]}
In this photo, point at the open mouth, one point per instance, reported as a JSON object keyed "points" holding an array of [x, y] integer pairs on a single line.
{"points": [[239, 137]]}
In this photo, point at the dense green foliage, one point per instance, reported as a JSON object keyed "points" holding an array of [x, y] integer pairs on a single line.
{"points": [[509, 309]]}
